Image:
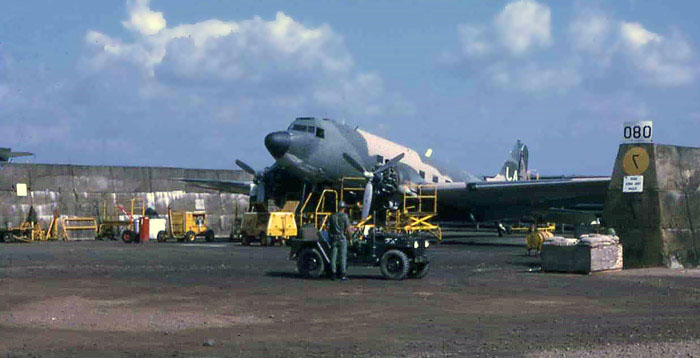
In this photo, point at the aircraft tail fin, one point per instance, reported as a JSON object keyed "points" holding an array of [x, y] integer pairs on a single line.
{"points": [[515, 167]]}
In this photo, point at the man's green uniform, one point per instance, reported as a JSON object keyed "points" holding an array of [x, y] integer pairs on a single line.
{"points": [[338, 226]]}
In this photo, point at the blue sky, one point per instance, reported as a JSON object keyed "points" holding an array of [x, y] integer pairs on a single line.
{"points": [[199, 84]]}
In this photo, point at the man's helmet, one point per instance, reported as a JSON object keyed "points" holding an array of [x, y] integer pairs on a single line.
{"points": [[341, 205]]}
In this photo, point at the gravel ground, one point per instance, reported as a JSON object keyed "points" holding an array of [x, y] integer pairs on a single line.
{"points": [[483, 298]]}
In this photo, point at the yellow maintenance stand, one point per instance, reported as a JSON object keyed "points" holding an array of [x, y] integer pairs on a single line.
{"points": [[416, 214]]}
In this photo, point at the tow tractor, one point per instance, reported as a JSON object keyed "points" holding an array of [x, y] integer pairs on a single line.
{"points": [[398, 254]]}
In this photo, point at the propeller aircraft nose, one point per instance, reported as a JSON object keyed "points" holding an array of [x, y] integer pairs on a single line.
{"points": [[277, 143]]}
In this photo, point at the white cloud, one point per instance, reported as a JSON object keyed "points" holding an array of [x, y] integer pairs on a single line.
{"points": [[256, 61], [499, 50], [591, 33], [473, 40], [533, 78], [514, 51], [661, 61], [636, 36], [523, 25], [142, 19]]}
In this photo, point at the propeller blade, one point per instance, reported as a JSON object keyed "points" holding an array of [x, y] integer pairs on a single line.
{"points": [[367, 200], [247, 168], [390, 163], [354, 163]]}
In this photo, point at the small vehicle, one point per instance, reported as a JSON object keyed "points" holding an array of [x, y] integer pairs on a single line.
{"points": [[398, 255], [186, 226], [268, 227]]}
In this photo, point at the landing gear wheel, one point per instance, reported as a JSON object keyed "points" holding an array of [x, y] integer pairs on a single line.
{"points": [[419, 270], [209, 235], [310, 263], [161, 237], [190, 236], [394, 265]]}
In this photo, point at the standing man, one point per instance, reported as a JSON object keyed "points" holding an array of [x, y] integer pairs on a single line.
{"points": [[339, 231]]}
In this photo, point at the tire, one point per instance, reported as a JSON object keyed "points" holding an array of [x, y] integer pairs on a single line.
{"points": [[190, 236], [128, 236], [245, 240], [394, 265], [310, 263], [209, 236], [419, 271], [161, 237]]}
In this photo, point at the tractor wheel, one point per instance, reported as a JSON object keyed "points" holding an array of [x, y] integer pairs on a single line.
{"points": [[394, 265], [190, 236], [161, 237], [310, 263], [209, 235], [128, 236], [419, 270]]}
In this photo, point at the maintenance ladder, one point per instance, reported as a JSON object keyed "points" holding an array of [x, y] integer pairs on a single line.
{"points": [[318, 207], [418, 211]]}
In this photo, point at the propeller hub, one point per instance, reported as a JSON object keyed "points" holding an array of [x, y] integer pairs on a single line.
{"points": [[277, 143]]}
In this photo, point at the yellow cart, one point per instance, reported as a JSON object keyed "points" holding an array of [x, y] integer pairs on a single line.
{"points": [[269, 226], [186, 226]]}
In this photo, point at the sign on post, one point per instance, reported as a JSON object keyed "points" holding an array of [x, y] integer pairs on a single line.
{"points": [[633, 184], [637, 132], [21, 189]]}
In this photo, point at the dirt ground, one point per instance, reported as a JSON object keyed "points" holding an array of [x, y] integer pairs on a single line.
{"points": [[482, 298]]}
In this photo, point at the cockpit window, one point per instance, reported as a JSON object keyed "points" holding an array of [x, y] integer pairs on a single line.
{"points": [[303, 128], [320, 133]]}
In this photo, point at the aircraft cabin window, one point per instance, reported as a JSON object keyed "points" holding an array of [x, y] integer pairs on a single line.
{"points": [[320, 133], [299, 127], [435, 179], [380, 159], [422, 174]]}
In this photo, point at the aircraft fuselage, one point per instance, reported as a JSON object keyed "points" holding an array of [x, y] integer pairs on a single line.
{"points": [[313, 149]]}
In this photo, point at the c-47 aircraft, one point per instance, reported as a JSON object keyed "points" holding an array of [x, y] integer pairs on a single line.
{"points": [[315, 153]]}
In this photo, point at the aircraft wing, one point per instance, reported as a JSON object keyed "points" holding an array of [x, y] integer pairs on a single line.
{"points": [[511, 199], [20, 154], [230, 186]]}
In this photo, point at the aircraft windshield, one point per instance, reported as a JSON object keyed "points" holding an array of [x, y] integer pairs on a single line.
{"points": [[303, 128]]}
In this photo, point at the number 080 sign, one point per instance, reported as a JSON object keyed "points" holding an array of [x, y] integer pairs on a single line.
{"points": [[637, 132]]}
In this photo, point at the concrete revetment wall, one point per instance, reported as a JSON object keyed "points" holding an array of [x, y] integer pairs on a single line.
{"points": [[79, 190], [661, 224]]}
